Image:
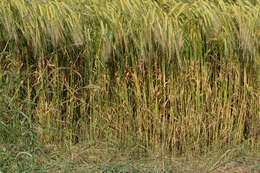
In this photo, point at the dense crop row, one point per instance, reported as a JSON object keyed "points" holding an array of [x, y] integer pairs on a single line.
{"points": [[167, 75]]}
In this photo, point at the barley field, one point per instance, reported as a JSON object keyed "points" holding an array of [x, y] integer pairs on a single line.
{"points": [[152, 77]]}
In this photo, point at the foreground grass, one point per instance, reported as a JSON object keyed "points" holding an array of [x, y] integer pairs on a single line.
{"points": [[99, 157]]}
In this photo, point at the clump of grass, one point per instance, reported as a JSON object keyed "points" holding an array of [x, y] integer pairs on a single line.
{"points": [[172, 76]]}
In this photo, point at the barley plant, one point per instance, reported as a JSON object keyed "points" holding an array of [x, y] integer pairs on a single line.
{"points": [[168, 75]]}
